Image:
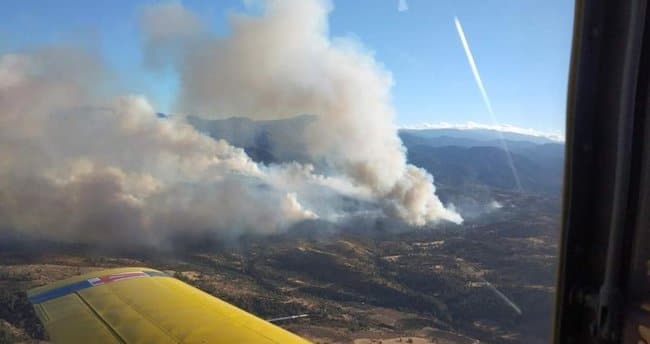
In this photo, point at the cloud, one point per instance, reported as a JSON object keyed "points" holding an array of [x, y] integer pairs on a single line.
{"points": [[506, 128]]}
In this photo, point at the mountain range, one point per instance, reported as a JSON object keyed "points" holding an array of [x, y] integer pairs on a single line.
{"points": [[459, 159]]}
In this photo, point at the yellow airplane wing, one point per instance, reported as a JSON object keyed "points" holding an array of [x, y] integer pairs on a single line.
{"points": [[140, 305]]}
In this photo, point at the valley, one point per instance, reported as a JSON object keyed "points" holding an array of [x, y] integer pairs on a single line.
{"points": [[354, 283], [363, 280]]}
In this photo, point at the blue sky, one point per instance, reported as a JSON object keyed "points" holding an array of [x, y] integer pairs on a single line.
{"points": [[521, 48]]}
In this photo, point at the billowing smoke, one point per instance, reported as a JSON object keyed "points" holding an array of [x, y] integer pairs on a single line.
{"points": [[80, 164], [74, 167], [283, 63]]}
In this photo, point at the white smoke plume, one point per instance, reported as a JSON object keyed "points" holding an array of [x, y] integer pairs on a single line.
{"points": [[494, 205], [283, 63], [76, 168], [78, 163]]}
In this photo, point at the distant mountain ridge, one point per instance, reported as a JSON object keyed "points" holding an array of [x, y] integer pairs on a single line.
{"points": [[266, 141], [461, 158], [458, 159], [487, 166], [477, 135]]}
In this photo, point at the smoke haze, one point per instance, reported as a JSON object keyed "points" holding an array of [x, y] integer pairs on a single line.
{"points": [[78, 165], [282, 64]]}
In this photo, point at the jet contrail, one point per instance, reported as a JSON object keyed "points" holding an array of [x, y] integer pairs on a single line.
{"points": [[472, 64], [503, 297], [491, 286], [486, 99], [402, 6]]}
